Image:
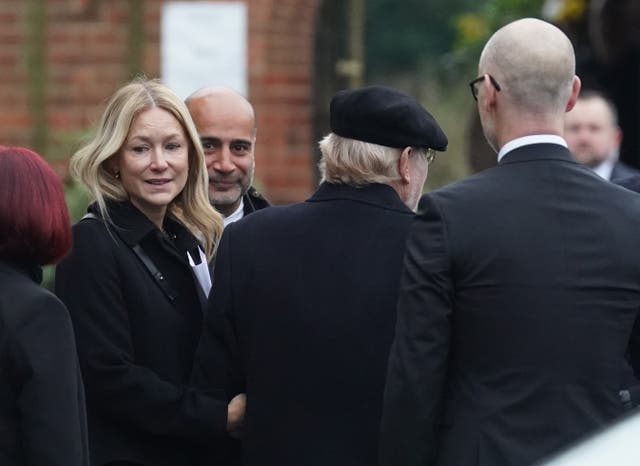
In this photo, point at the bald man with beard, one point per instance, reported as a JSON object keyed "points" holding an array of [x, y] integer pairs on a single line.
{"points": [[226, 123], [521, 284]]}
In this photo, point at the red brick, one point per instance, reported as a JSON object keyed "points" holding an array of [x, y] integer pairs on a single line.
{"points": [[14, 120], [87, 62]]}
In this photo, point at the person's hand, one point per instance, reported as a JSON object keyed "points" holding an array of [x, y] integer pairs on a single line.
{"points": [[235, 415]]}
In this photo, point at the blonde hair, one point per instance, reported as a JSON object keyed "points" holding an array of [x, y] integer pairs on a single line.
{"points": [[349, 161], [191, 207]]}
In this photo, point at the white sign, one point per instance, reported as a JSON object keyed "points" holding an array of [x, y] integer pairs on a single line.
{"points": [[204, 43]]}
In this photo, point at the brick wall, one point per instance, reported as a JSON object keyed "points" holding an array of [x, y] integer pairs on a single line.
{"points": [[15, 119], [60, 60], [281, 43]]}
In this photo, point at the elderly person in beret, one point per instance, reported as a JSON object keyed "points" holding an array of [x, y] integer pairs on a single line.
{"points": [[303, 306]]}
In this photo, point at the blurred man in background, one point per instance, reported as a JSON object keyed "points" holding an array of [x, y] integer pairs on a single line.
{"points": [[593, 135]]}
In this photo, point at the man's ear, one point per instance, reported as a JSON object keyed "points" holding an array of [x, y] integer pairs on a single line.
{"points": [[403, 165], [490, 92], [618, 135], [576, 84]]}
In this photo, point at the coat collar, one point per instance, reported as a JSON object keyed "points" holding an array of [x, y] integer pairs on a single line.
{"points": [[31, 271], [133, 227], [379, 195], [253, 201], [131, 224], [537, 152]]}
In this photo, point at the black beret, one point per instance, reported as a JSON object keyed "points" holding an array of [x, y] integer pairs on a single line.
{"points": [[384, 116]]}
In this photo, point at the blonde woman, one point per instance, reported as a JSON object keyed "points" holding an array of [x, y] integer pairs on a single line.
{"points": [[137, 280]]}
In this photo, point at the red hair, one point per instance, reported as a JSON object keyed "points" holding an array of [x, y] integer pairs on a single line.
{"points": [[34, 219]]}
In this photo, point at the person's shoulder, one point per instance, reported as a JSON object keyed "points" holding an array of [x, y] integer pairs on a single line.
{"points": [[37, 325], [44, 300], [464, 186], [94, 245], [28, 300], [254, 201], [92, 231], [15, 278], [620, 199], [630, 182], [622, 171], [272, 219], [14, 288], [626, 191], [273, 212], [89, 226]]}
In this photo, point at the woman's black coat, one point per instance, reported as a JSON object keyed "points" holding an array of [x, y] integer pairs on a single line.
{"points": [[42, 412], [136, 338]]}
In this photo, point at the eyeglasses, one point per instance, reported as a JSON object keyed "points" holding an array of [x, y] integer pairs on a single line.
{"points": [[474, 85], [424, 152]]}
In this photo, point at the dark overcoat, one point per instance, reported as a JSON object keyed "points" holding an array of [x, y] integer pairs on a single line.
{"points": [[519, 294], [303, 305], [42, 411], [136, 339]]}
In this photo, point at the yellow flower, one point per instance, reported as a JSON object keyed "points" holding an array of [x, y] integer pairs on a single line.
{"points": [[471, 27]]}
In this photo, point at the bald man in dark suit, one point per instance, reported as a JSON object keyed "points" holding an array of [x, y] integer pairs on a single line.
{"points": [[521, 284]]}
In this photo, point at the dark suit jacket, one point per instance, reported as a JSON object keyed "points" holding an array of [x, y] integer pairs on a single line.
{"points": [[519, 293], [621, 170], [630, 182], [303, 302], [136, 345], [42, 412], [632, 384]]}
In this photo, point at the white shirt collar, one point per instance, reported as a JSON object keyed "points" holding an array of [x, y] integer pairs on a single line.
{"points": [[527, 140], [606, 168], [236, 215]]}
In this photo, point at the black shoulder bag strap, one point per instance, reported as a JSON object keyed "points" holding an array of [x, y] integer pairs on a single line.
{"points": [[155, 273], [149, 265]]}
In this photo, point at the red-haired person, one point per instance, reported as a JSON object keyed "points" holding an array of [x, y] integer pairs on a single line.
{"points": [[42, 412]]}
